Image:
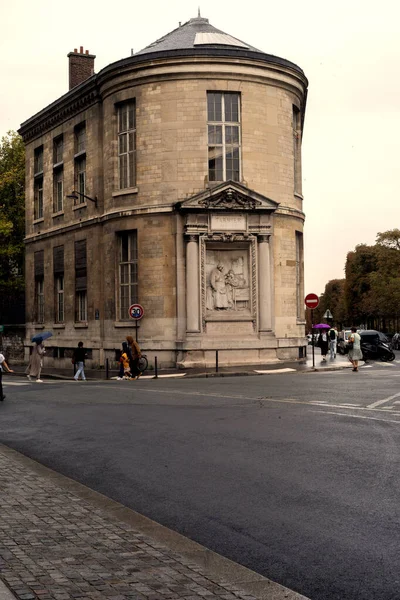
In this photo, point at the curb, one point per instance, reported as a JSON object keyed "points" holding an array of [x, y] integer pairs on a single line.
{"points": [[216, 567], [203, 375]]}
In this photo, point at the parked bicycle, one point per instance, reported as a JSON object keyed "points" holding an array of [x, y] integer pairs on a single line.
{"points": [[142, 363]]}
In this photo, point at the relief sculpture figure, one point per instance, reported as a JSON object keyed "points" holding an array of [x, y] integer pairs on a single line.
{"points": [[219, 288]]}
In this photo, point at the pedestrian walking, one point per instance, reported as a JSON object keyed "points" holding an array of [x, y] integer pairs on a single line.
{"points": [[79, 361], [36, 361], [323, 342], [133, 355], [124, 371], [354, 345], [3, 365], [333, 335]]}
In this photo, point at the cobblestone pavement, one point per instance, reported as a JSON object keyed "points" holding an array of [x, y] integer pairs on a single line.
{"points": [[59, 540]]}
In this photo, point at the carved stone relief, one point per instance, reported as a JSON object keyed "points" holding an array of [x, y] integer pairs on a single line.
{"points": [[228, 279]]}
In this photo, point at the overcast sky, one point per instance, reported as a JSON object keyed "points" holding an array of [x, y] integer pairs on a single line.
{"points": [[349, 50]]}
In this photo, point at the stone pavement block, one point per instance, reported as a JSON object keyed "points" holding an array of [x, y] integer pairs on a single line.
{"points": [[61, 541]]}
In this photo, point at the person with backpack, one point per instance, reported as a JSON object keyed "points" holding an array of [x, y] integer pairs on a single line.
{"points": [[333, 336]]}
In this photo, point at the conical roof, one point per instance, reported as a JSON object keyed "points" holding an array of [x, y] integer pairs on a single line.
{"points": [[196, 34]]}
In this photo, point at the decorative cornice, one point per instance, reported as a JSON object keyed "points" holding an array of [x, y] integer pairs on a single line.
{"points": [[72, 103]]}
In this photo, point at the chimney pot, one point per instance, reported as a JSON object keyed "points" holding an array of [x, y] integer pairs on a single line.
{"points": [[87, 51], [81, 49], [75, 50]]}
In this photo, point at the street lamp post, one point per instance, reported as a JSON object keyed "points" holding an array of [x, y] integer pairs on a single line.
{"points": [[75, 195]]}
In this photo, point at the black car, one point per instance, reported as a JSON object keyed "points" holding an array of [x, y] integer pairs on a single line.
{"points": [[375, 345]]}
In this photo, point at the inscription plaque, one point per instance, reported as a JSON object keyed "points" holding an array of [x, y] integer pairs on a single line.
{"points": [[228, 223]]}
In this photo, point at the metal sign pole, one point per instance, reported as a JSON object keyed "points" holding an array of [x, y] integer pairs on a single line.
{"points": [[312, 338], [136, 328]]}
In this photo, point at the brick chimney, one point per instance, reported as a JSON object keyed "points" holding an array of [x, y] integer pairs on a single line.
{"points": [[81, 66]]}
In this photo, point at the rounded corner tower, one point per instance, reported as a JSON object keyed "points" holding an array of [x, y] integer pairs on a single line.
{"points": [[196, 164]]}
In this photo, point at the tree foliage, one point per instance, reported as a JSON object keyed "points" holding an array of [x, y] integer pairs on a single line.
{"points": [[12, 207]]}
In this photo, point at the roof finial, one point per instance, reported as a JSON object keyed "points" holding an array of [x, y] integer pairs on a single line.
{"points": [[198, 13]]}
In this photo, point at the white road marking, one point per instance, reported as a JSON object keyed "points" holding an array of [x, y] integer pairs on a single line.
{"points": [[366, 367], [318, 402], [16, 383], [356, 416], [153, 376], [379, 402], [349, 404], [275, 371], [164, 376]]}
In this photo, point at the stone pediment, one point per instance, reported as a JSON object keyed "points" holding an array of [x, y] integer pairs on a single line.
{"points": [[229, 195]]}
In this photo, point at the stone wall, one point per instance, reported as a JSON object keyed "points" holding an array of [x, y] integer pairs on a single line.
{"points": [[12, 344]]}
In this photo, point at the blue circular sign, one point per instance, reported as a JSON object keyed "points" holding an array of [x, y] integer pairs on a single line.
{"points": [[136, 311]]}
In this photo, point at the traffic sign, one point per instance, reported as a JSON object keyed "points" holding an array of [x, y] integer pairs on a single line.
{"points": [[328, 314], [136, 311], [311, 300]]}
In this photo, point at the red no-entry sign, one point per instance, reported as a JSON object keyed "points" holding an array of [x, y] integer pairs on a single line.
{"points": [[311, 300]]}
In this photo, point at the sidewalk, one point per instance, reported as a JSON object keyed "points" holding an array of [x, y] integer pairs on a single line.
{"points": [[304, 365], [59, 540]]}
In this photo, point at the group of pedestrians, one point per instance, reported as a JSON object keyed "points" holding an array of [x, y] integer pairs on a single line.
{"points": [[129, 367], [327, 340], [129, 360]]}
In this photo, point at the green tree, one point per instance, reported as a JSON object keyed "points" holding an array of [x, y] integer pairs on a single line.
{"points": [[12, 219], [334, 300]]}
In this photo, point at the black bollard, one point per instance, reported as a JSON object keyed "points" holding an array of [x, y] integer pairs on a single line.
{"points": [[106, 368], [155, 368], [216, 361]]}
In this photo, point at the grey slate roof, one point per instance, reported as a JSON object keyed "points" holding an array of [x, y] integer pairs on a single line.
{"points": [[184, 37]]}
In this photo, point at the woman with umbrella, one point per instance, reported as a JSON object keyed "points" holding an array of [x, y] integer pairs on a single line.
{"points": [[36, 359], [323, 339]]}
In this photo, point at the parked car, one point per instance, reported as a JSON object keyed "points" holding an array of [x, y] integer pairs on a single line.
{"points": [[310, 337], [375, 345], [343, 338]]}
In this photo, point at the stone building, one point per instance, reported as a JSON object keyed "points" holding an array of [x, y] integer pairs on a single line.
{"points": [[172, 178]]}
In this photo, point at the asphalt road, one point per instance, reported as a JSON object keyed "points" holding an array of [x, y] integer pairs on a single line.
{"points": [[293, 475]]}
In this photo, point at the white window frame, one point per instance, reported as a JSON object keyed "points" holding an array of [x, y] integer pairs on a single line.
{"points": [[127, 145], [81, 306], [80, 180], [59, 298], [128, 274], [223, 124], [38, 199], [58, 191]]}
